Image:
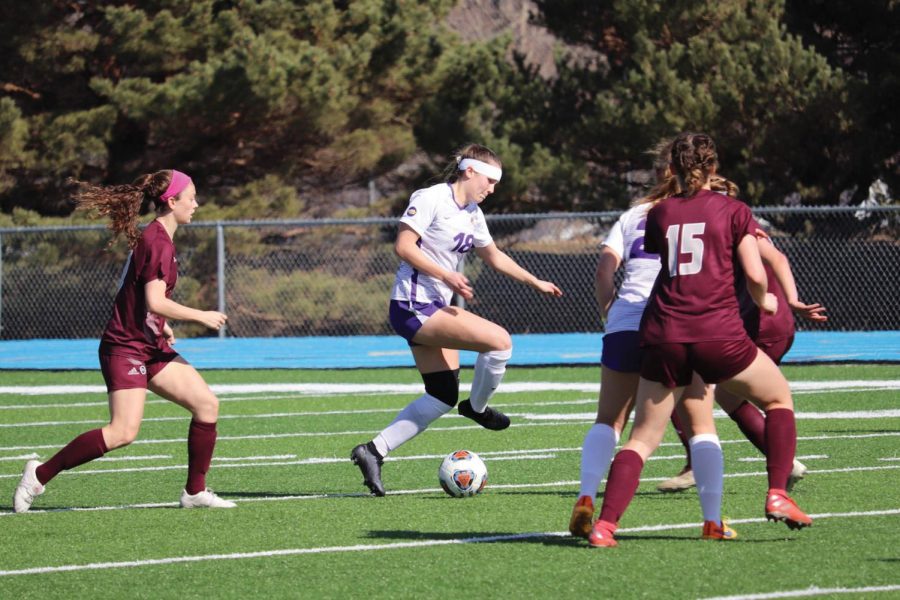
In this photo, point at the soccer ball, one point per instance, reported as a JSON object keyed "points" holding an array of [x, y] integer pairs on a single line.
{"points": [[462, 474]]}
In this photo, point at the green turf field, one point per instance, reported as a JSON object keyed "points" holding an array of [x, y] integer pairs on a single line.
{"points": [[304, 527]]}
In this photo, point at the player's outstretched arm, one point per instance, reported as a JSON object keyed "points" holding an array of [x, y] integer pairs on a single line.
{"points": [[785, 276], [502, 263], [158, 304]]}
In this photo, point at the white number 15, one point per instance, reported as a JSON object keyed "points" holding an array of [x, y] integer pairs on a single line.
{"points": [[690, 244]]}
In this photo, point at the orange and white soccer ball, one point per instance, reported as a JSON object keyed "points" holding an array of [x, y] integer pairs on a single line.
{"points": [[462, 474]]}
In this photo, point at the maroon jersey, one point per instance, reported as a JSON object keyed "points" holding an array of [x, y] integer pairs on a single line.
{"points": [[132, 330], [761, 326], [694, 297]]}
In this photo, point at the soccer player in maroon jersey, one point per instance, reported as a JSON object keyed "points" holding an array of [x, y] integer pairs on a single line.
{"points": [[773, 334], [135, 349], [692, 324]]}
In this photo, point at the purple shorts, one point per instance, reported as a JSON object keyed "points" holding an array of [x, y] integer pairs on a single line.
{"points": [[127, 373], [622, 351], [776, 349], [408, 317], [673, 364]]}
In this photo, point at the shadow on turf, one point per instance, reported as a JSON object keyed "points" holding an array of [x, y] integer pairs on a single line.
{"points": [[410, 535], [544, 540]]}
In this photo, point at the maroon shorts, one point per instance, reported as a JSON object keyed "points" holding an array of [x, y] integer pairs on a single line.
{"points": [[126, 373], [673, 364], [776, 349]]}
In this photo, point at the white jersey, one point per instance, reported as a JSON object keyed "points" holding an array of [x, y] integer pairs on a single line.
{"points": [[447, 233], [626, 238]]}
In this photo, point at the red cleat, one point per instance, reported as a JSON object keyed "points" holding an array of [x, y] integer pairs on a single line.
{"points": [[602, 535], [718, 531], [780, 507], [582, 517]]}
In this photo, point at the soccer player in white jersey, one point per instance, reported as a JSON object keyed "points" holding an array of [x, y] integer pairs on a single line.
{"points": [[441, 224], [621, 365]]}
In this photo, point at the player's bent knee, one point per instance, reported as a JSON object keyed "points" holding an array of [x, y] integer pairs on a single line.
{"points": [[443, 385], [207, 409], [503, 342], [120, 437]]}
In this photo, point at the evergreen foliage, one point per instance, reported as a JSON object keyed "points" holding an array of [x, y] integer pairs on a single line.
{"points": [[274, 106]]}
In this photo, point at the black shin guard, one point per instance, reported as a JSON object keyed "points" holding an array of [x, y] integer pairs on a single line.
{"points": [[443, 385]]}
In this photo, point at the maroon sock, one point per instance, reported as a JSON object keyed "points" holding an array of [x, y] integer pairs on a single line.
{"points": [[752, 424], [679, 429], [624, 477], [781, 442], [85, 448], [201, 442]]}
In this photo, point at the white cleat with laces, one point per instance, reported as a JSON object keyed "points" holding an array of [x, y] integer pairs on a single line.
{"points": [[205, 499], [28, 489]]}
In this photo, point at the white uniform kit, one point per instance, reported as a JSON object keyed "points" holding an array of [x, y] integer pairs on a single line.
{"points": [[626, 238], [447, 233]]}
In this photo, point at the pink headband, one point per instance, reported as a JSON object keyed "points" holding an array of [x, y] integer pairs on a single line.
{"points": [[176, 186]]}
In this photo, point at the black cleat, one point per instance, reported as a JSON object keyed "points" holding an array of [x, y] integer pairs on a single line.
{"points": [[489, 419], [369, 462]]}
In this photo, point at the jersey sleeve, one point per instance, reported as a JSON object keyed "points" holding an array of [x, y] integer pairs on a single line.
{"points": [[420, 212], [155, 262], [615, 239], [482, 235]]}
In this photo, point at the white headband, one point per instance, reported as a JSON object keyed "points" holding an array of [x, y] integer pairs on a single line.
{"points": [[489, 171]]}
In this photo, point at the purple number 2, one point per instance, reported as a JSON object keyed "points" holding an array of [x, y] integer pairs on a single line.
{"points": [[637, 247]]}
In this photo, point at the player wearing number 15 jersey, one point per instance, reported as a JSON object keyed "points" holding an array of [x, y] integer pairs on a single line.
{"points": [[439, 227], [692, 324]]}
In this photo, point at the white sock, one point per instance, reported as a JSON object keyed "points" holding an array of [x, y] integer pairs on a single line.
{"points": [[709, 471], [596, 455], [409, 422], [489, 370]]}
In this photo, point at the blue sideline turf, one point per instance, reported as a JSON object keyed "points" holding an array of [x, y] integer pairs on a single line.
{"points": [[392, 351]]}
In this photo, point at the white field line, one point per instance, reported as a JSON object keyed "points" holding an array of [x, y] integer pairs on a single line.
{"points": [[304, 434], [763, 458], [579, 416], [339, 460], [266, 398], [250, 458], [133, 458], [810, 591], [411, 388], [21, 457], [841, 414], [377, 547], [890, 458]]}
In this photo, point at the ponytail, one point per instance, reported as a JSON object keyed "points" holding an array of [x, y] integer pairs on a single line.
{"points": [[694, 160], [123, 204]]}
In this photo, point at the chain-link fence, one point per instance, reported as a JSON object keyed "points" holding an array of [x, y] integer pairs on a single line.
{"points": [[332, 277]]}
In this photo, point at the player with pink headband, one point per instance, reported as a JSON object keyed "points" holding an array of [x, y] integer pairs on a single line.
{"points": [[136, 352], [439, 227]]}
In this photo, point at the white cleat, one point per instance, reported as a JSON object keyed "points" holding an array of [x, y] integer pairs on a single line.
{"points": [[28, 489], [682, 481], [798, 472], [205, 499]]}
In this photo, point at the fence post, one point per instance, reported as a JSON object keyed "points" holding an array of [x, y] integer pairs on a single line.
{"points": [[220, 270]]}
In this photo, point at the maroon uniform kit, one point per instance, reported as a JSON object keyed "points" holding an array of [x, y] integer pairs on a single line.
{"points": [[692, 321], [133, 347]]}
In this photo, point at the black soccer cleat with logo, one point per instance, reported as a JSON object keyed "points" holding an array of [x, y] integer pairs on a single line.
{"points": [[489, 419], [366, 457]]}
